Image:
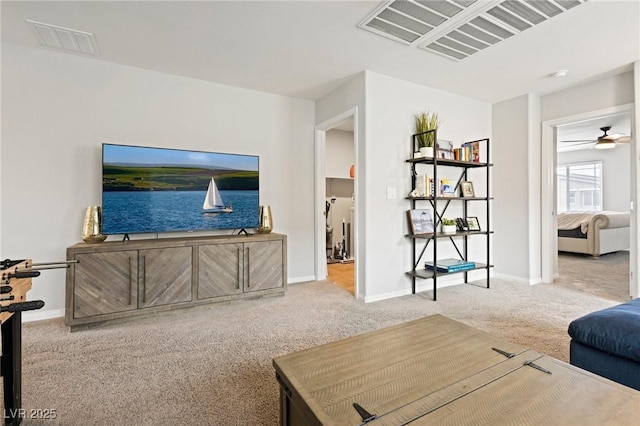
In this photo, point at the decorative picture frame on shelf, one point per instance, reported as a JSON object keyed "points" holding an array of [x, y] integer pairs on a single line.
{"points": [[447, 188], [466, 189], [473, 223], [420, 221], [461, 224], [445, 149]]}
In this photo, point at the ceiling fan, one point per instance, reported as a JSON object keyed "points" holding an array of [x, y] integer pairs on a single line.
{"points": [[604, 141]]}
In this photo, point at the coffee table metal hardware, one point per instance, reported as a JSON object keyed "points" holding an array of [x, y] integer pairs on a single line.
{"points": [[505, 353], [529, 363], [366, 416], [536, 366]]}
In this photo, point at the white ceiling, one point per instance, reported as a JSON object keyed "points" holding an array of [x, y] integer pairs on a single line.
{"points": [[308, 48]]}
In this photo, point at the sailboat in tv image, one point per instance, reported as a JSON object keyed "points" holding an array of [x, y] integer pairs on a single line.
{"points": [[213, 200]]}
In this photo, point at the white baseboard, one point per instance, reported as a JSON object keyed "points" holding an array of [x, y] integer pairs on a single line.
{"points": [[384, 296], [302, 279], [42, 315], [442, 283], [528, 281]]}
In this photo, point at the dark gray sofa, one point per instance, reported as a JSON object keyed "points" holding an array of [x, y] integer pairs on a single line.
{"points": [[607, 343]]}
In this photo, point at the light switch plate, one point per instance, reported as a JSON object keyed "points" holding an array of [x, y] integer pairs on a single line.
{"points": [[391, 193]]}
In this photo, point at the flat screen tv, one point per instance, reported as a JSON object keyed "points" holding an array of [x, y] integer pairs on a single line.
{"points": [[152, 190]]}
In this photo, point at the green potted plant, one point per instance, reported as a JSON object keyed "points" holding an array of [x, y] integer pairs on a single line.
{"points": [[424, 122], [448, 226]]}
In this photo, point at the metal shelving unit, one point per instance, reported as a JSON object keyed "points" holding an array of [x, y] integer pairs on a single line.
{"points": [[440, 204]]}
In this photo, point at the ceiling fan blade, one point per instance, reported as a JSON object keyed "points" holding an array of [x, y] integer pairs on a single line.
{"points": [[617, 138], [578, 141], [569, 147], [565, 147]]}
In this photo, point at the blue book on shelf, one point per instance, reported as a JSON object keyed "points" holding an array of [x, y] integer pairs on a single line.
{"points": [[451, 265]]}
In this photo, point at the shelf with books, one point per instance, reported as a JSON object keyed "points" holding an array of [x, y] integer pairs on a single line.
{"points": [[434, 186], [430, 273], [446, 162], [450, 265], [450, 198], [430, 236]]}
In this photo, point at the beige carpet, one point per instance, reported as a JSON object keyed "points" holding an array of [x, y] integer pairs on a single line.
{"points": [[213, 366], [607, 276]]}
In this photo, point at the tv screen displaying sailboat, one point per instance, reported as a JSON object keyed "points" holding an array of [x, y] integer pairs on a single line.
{"points": [[150, 190]]}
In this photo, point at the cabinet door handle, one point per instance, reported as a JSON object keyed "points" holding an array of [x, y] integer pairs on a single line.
{"points": [[130, 278], [144, 279], [248, 268], [238, 271]]}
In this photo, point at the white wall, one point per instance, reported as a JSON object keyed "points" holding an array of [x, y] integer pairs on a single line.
{"points": [[516, 188], [390, 107], [535, 185], [616, 173], [592, 96], [339, 153], [57, 110]]}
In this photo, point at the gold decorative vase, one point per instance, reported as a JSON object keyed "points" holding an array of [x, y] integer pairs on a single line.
{"points": [[266, 222], [92, 226]]}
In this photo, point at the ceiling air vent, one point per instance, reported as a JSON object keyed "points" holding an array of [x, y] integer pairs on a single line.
{"points": [[64, 38], [460, 28]]}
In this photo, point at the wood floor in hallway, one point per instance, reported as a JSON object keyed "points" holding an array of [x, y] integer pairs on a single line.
{"points": [[342, 275]]}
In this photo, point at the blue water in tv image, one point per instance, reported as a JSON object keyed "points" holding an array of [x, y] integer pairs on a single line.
{"points": [[149, 190]]}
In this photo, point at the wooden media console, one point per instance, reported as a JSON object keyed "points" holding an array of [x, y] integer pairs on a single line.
{"points": [[121, 279]]}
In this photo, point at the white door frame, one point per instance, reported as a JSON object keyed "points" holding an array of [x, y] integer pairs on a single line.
{"points": [[320, 194], [549, 242]]}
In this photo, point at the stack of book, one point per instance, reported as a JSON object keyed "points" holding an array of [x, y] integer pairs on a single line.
{"points": [[469, 151], [451, 265], [422, 183]]}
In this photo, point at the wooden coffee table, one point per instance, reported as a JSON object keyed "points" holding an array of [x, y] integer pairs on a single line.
{"points": [[436, 370]]}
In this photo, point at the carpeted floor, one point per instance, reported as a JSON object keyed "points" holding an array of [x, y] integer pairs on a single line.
{"points": [[607, 276], [213, 366]]}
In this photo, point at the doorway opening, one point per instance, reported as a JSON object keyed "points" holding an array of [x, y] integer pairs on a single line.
{"points": [[336, 195], [580, 180]]}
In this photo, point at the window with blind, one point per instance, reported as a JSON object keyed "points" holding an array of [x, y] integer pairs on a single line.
{"points": [[579, 187]]}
